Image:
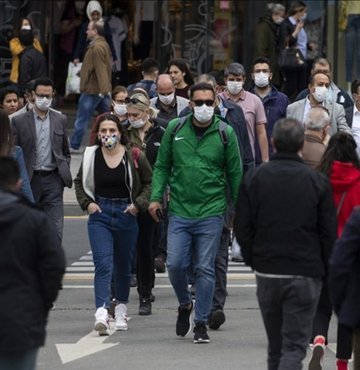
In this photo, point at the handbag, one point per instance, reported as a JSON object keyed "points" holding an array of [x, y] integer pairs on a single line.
{"points": [[291, 58]]}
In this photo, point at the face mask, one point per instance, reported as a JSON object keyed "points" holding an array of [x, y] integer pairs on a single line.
{"points": [[261, 79], [279, 20], [204, 113], [43, 104], [109, 141], [234, 87], [26, 27], [138, 123], [320, 93], [166, 99], [120, 109]]}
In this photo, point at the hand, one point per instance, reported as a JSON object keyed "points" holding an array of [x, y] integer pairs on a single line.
{"points": [[76, 61], [93, 208], [312, 46], [153, 209], [131, 209]]}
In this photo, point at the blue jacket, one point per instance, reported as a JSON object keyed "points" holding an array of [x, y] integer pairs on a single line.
{"points": [[344, 276], [236, 119], [25, 183], [275, 105]]}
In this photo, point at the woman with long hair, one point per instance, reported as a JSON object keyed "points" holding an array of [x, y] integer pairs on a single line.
{"points": [[7, 149], [179, 72], [341, 164], [113, 185]]}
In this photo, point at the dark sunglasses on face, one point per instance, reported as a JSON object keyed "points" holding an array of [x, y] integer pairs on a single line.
{"points": [[199, 103]]}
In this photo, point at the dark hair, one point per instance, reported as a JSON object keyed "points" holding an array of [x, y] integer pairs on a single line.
{"points": [[5, 134], [355, 85], [150, 65], [312, 77], [108, 117], [183, 66], [44, 81], [342, 148], [219, 76], [18, 26], [296, 6], [201, 86], [288, 135], [26, 37], [8, 90], [9, 172], [30, 86], [118, 89], [262, 60], [321, 60]]}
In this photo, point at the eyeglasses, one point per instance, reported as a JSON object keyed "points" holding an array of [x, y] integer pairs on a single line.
{"points": [[118, 101], [199, 103]]}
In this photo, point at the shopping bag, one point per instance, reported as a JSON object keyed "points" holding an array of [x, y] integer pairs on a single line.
{"points": [[73, 79]]}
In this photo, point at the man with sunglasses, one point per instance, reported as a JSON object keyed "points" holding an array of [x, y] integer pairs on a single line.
{"points": [[197, 165]]}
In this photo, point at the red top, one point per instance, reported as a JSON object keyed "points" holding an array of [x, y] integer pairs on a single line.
{"points": [[345, 178]]}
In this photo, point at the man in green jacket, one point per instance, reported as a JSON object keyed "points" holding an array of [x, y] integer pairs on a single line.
{"points": [[197, 159]]}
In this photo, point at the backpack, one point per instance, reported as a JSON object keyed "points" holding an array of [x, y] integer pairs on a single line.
{"points": [[222, 129]]}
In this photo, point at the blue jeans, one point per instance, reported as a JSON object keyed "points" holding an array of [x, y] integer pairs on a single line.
{"points": [[352, 43], [112, 235], [87, 105], [19, 361], [199, 239]]}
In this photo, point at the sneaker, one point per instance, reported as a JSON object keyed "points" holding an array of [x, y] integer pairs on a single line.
{"points": [[200, 333], [102, 321], [145, 306], [318, 351], [342, 365], [159, 264], [217, 318], [121, 318], [184, 320]]}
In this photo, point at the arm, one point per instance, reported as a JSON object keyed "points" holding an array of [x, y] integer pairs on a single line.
{"points": [[262, 40], [142, 200], [83, 199], [37, 45], [25, 183], [109, 39], [25, 69], [263, 142], [15, 47], [341, 119], [342, 260], [65, 145], [81, 43], [101, 63]]}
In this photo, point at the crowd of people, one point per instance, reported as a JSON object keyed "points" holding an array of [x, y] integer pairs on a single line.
{"points": [[175, 162]]}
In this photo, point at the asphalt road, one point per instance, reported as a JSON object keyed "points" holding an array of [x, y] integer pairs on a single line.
{"points": [[150, 342]]}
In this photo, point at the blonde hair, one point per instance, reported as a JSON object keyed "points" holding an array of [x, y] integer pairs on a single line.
{"points": [[143, 104]]}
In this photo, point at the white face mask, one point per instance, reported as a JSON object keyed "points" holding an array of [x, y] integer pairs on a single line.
{"points": [[138, 123], [120, 109], [234, 87], [166, 99], [43, 104], [204, 113], [26, 27], [303, 17], [320, 93], [261, 79], [279, 20]]}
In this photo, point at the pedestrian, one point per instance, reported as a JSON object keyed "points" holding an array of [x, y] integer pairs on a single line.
{"points": [[180, 73], [9, 99], [32, 265], [28, 100], [344, 282], [113, 186], [95, 83], [342, 165], [317, 124], [42, 135], [252, 107], [145, 134], [288, 249], [353, 113], [195, 161]]}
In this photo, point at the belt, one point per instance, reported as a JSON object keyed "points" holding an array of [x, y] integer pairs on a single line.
{"points": [[45, 173]]}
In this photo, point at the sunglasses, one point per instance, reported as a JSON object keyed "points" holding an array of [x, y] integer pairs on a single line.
{"points": [[134, 101], [199, 103]]}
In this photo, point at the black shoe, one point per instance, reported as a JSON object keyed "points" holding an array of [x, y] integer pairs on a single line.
{"points": [[133, 281], [159, 264], [184, 320], [217, 318], [200, 333], [145, 307], [152, 297]]}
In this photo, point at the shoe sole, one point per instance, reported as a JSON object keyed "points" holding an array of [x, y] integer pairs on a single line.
{"points": [[217, 319], [121, 328], [102, 329], [190, 322], [201, 340], [315, 362]]}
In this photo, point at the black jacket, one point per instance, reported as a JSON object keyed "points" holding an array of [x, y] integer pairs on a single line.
{"points": [[285, 218], [344, 279], [32, 65], [32, 264]]}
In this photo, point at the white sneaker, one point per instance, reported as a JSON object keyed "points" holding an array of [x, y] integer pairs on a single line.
{"points": [[102, 321], [121, 317]]}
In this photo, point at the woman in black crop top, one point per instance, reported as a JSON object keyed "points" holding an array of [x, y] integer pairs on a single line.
{"points": [[113, 185]]}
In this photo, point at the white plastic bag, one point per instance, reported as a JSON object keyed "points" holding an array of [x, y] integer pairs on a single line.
{"points": [[236, 255], [73, 79]]}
